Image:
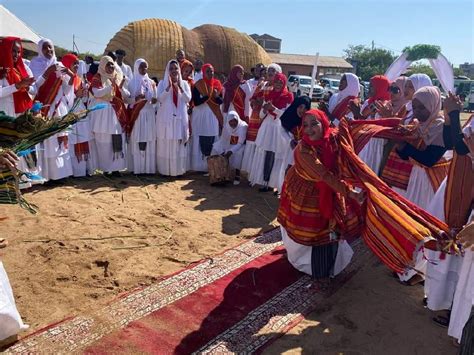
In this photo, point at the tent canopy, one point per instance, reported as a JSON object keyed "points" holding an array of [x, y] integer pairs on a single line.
{"points": [[10, 25]]}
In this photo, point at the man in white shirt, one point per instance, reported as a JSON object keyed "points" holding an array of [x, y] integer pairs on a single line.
{"points": [[197, 70], [126, 70], [256, 76]]}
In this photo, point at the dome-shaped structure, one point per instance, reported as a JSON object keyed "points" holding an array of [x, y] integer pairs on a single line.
{"points": [[157, 41]]}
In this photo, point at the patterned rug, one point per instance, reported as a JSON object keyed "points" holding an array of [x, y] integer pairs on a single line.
{"points": [[238, 301]]}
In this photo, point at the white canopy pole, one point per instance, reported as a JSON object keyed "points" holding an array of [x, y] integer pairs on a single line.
{"points": [[313, 75]]}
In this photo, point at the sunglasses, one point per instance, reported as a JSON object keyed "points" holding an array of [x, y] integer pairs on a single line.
{"points": [[394, 89]]}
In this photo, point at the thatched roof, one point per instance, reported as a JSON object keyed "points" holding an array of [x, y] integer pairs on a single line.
{"points": [[157, 41], [303, 59]]}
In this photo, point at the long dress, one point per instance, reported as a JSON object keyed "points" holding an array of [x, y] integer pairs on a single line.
{"points": [[205, 126], [81, 140], [309, 237], [173, 129], [142, 140], [107, 130], [54, 160], [253, 126]]}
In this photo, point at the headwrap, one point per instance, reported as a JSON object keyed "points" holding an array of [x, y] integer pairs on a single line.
{"points": [[233, 82], [276, 67], [116, 76], [139, 81], [381, 86], [420, 80], [68, 60], [352, 90], [431, 130], [401, 101], [212, 83], [327, 158], [15, 72], [40, 63], [186, 63], [280, 99], [290, 119]]}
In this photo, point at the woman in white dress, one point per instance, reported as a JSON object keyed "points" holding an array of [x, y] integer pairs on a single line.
{"points": [[207, 118], [379, 94], [83, 153], [109, 124], [269, 150], [54, 83], [142, 141], [231, 142], [174, 95]]}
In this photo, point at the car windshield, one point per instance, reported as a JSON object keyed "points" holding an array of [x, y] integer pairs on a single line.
{"points": [[335, 83], [305, 81]]}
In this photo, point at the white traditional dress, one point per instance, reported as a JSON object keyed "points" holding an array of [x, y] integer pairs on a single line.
{"points": [[232, 140], [142, 141], [108, 133], [172, 125]]}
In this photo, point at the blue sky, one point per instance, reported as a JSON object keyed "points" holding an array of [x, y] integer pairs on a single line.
{"points": [[305, 26]]}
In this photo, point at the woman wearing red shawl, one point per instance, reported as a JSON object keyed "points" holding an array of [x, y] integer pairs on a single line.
{"points": [[80, 135], [16, 78], [237, 94], [311, 195], [379, 94], [269, 151], [207, 118], [110, 124], [54, 83]]}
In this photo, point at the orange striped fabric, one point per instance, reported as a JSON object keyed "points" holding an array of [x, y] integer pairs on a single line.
{"points": [[396, 172], [436, 173], [459, 195]]}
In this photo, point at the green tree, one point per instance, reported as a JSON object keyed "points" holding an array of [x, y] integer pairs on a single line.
{"points": [[422, 69], [368, 61]]}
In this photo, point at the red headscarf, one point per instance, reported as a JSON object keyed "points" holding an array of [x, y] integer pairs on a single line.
{"points": [[328, 159], [15, 72], [212, 83], [186, 63], [280, 99], [232, 84], [68, 60], [381, 86]]}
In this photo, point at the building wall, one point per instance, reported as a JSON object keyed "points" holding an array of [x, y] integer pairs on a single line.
{"points": [[289, 69], [468, 69]]}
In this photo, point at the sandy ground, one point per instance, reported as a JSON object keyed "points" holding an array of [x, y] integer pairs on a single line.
{"points": [[94, 238]]}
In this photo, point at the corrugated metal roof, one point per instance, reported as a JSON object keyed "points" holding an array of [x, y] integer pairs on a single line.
{"points": [[304, 59]]}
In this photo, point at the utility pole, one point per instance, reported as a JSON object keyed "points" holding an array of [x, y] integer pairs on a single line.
{"points": [[373, 45]]}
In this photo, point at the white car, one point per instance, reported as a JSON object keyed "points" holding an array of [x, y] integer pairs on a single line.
{"points": [[301, 85], [330, 85]]}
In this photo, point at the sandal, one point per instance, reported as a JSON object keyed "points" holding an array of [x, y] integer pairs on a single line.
{"points": [[3, 243], [442, 321]]}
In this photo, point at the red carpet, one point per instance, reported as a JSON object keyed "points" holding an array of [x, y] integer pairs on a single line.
{"points": [[237, 302]]}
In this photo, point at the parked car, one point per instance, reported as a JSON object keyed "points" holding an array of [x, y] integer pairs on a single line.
{"points": [[301, 85], [330, 85]]}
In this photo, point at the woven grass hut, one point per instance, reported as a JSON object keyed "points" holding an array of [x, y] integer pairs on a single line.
{"points": [[157, 41]]}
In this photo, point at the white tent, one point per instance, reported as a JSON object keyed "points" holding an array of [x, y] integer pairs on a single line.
{"points": [[10, 25]]}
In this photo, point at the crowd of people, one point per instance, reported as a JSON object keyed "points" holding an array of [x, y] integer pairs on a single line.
{"points": [[279, 142]]}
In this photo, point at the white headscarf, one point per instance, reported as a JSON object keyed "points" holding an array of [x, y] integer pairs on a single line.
{"points": [[420, 80], [276, 67], [240, 130], [105, 77], [166, 78], [139, 81], [352, 89], [40, 63]]}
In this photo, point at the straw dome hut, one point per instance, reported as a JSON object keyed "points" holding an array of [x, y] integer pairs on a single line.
{"points": [[157, 41]]}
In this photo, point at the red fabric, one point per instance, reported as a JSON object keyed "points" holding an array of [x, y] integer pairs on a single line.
{"points": [[381, 86], [68, 60], [231, 85], [175, 95], [212, 83], [280, 99], [342, 108], [48, 91], [328, 158], [15, 72]]}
